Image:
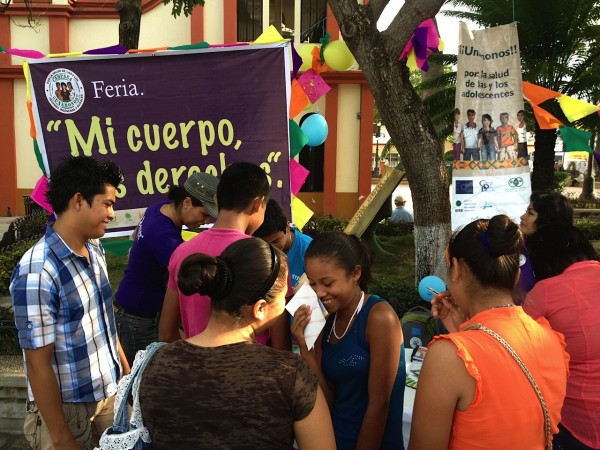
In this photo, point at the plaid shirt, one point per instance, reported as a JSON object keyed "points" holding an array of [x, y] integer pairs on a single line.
{"points": [[61, 299]]}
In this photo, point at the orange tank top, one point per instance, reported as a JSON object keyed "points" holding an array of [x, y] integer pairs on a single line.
{"points": [[506, 412]]}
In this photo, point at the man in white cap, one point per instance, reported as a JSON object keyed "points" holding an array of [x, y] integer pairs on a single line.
{"points": [[400, 214]]}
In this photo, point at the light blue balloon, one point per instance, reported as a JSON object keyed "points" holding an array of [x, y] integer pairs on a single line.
{"points": [[316, 129], [432, 282]]}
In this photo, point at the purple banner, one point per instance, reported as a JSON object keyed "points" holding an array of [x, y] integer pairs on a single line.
{"points": [[164, 116]]}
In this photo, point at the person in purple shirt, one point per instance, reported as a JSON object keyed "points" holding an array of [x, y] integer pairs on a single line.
{"points": [[139, 298], [545, 208]]}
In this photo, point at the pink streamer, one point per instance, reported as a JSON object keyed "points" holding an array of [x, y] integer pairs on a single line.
{"points": [[32, 54], [298, 175], [39, 194]]}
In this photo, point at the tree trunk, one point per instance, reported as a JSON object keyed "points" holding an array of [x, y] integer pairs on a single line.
{"points": [[542, 177], [130, 14], [404, 115], [587, 192]]}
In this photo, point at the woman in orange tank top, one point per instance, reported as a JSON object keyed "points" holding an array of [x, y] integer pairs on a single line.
{"points": [[472, 394]]}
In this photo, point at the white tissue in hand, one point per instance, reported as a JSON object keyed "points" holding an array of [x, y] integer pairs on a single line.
{"points": [[306, 296]]}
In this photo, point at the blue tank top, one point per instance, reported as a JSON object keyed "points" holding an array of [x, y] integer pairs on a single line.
{"points": [[346, 364]]}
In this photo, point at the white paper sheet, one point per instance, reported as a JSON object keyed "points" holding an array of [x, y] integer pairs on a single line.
{"points": [[306, 296]]}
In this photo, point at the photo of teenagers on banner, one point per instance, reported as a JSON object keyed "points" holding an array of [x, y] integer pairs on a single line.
{"points": [[490, 172], [489, 95], [164, 116]]}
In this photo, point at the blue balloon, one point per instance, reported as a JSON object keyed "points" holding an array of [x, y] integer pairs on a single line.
{"points": [[316, 129], [432, 282]]}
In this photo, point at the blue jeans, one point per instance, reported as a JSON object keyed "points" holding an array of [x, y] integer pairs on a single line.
{"points": [[488, 152], [474, 152], [135, 333]]}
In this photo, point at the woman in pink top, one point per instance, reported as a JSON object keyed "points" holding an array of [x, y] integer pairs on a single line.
{"points": [[566, 294]]}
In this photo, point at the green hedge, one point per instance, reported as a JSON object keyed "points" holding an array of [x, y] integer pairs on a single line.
{"points": [[561, 179], [9, 337], [24, 228], [590, 229], [387, 228], [402, 295], [9, 258], [321, 224]]}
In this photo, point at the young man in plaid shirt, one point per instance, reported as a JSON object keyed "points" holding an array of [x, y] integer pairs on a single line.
{"points": [[63, 312]]}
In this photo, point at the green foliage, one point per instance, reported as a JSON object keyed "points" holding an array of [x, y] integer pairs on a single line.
{"points": [[560, 180], [9, 257], [22, 228], [585, 203], [9, 338], [591, 229], [402, 295], [321, 224], [116, 267], [387, 228], [185, 6]]}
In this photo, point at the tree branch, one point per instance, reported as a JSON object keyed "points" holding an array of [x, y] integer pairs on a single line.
{"points": [[377, 6], [348, 13]]}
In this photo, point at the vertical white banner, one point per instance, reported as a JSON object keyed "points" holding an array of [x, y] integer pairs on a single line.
{"points": [[488, 76], [489, 178]]}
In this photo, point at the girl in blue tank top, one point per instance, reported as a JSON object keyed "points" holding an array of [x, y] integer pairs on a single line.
{"points": [[359, 356]]}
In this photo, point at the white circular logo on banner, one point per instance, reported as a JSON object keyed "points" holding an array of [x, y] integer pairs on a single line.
{"points": [[64, 91]]}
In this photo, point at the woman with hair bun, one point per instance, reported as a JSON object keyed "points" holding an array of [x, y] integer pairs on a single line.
{"points": [[359, 356], [472, 392], [220, 389]]}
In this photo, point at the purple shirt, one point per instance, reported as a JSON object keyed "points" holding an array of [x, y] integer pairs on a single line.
{"points": [[144, 284]]}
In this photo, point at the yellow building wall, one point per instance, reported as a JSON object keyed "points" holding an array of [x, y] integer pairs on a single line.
{"points": [[213, 22], [348, 137], [86, 34], [28, 171], [23, 36], [173, 31]]}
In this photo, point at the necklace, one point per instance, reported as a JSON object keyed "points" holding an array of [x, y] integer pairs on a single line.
{"points": [[508, 305], [358, 308]]}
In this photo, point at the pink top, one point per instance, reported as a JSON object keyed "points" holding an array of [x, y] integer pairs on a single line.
{"points": [[571, 304], [195, 309]]}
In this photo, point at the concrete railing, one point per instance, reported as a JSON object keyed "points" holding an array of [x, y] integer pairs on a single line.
{"points": [[586, 214], [13, 394]]}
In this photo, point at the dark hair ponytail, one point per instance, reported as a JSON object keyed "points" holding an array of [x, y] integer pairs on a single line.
{"points": [[491, 248], [556, 246], [246, 271], [344, 250]]}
